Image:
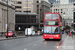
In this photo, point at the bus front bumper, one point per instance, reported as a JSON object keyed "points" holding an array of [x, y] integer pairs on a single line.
{"points": [[56, 36]]}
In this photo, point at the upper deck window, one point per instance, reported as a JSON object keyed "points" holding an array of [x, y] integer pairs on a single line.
{"points": [[52, 16]]}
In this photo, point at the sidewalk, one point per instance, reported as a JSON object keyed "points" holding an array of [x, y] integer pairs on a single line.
{"points": [[68, 44], [19, 36], [4, 38]]}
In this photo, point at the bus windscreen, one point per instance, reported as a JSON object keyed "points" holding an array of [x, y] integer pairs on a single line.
{"points": [[51, 30], [51, 22], [52, 16]]}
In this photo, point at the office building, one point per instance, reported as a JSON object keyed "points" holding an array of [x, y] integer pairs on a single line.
{"points": [[65, 8], [3, 15], [74, 17], [27, 13]]}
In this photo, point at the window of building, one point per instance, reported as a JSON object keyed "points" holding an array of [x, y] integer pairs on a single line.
{"points": [[61, 2], [15, 2], [56, 0], [19, 2], [26, 7], [27, 11], [56, 9], [18, 11], [74, 4], [37, 1], [27, 2], [18, 7], [61, 9], [66, 2], [61, 12]]}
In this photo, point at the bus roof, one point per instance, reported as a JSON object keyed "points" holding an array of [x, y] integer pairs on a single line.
{"points": [[51, 13]]}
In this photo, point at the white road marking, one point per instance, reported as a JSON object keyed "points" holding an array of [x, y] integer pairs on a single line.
{"points": [[25, 49]]}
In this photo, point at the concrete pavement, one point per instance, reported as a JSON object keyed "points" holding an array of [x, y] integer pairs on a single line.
{"points": [[68, 44], [4, 38], [19, 36]]}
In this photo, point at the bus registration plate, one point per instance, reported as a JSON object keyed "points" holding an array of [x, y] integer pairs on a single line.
{"points": [[51, 38]]}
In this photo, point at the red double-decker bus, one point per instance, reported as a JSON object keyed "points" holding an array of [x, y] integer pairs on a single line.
{"points": [[52, 26]]}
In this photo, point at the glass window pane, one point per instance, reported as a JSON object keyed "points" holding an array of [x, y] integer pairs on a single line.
{"points": [[47, 29], [55, 29], [51, 22], [48, 16], [52, 16], [55, 16], [51, 30]]}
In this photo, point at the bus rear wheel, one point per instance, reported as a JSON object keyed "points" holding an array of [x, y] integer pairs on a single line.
{"points": [[6, 37], [46, 39]]}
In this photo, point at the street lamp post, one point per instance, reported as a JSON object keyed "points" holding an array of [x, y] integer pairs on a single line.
{"points": [[64, 19], [7, 19], [27, 18], [39, 14]]}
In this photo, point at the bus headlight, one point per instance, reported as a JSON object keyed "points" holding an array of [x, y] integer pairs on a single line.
{"points": [[56, 35], [45, 35]]}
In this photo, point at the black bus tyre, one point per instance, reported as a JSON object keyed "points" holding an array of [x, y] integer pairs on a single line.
{"points": [[59, 39], [45, 39], [6, 37]]}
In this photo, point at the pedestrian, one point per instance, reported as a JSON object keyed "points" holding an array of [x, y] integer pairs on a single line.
{"points": [[72, 31], [67, 31], [1, 34]]}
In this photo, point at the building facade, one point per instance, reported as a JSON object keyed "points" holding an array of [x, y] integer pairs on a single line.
{"points": [[29, 6], [25, 14], [29, 10], [74, 17], [44, 7], [65, 8], [3, 15]]}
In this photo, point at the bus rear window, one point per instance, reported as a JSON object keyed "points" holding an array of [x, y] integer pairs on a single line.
{"points": [[52, 16], [51, 22]]}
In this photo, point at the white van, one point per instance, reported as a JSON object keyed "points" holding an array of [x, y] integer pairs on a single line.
{"points": [[29, 31]]}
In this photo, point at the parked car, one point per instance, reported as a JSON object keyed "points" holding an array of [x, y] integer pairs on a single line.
{"points": [[11, 33]]}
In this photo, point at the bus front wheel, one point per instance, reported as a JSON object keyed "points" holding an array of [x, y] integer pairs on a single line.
{"points": [[59, 39]]}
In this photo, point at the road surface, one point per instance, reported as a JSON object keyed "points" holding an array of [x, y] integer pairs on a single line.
{"points": [[30, 43]]}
